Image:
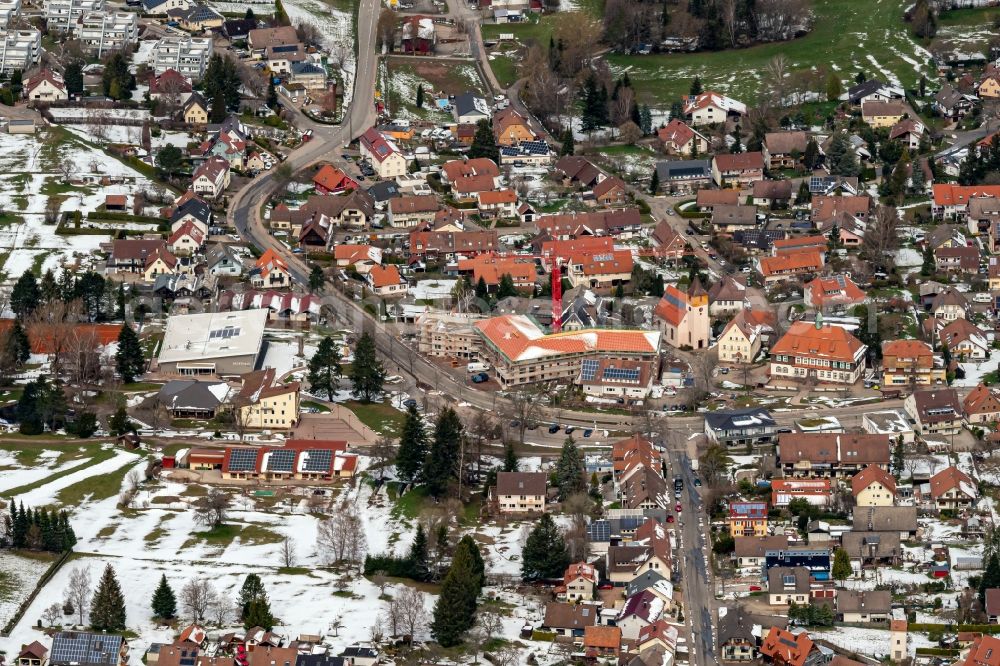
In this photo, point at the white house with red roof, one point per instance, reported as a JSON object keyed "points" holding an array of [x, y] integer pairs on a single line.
{"points": [[211, 178], [386, 281], [680, 139], [385, 157], [270, 272], [683, 317], [579, 582], [187, 240], [46, 86], [831, 291], [710, 108]]}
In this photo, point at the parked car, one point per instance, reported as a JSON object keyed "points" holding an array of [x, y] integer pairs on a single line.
{"points": [[570, 429], [479, 378], [588, 432], [554, 428], [678, 508], [670, 518]]}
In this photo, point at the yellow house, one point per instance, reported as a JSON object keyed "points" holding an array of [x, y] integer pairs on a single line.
{"points": [[882, 114], [397, 132], [196, 110], [990, 87], [743, 337], [873, 486], [748, 519], [511, 128], [264, 404], [160, 262]]}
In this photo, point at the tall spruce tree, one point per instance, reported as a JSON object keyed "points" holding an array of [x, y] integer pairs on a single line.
{"points": [[990, 579], [164, 602], [419, 566], [569, 470], [442, 463], [107, 609], [412, 452], [17, 345], [255, 608], [25, 296], [544, 554], [325, 369], [471, 548], [129, 358], [454, 612], [484, 144], [510, 463], [367, 372]]}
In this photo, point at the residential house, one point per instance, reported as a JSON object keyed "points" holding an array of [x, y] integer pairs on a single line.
{"points": [[571, 620], [828, 209], [864, 606], [211, 178], [834, 291], [671, 246], [772, 193], [195, 110], [32, 654], [640, 611], [743, 337], [950, 305], [683, 317], [680, 139], [706, 200], [753, 426], [936, 411], [992, 606], [731, 219], [736, 638], [873, 90], [196, 18], [521, 492], [788, 585], [873, 486], [814, 455], [656, 639], [951, 489], [909, 132], [385, 157], [498, 204], [901, 520], [580, 579], [470, 108], [892, 422], [981, 405], [270, 271], [193, 210], [965, 340], [783, 648], [602, 642], [187, 240], [910, 363], [814, 491], [951, 201], [386, 281], [614, 378], [785, 267], [883, 114], [46, 86], [727, 296], [417, 35], [510, 127], [962, 259], [952, 103], [872, 549], [818, 351], [710, 108], [578, 171], [737, 170], [410, 211], [750, 552], [784, 150], [265, 403], [224, 260], [611, 192], [684, 176], [259, 40], [600, 270], [130, 255], [160, 262], [331, 180], [989, 86], [748, 519]]}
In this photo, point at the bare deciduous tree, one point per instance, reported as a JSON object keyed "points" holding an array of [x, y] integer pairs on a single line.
{"points": [[197, 596], [213, 508], [382, 453], [411, 609], [287, 552], [341, 537], [881, 237], [78, 591], [51, 614], [381, 580], [308, 33], [222, 609]]}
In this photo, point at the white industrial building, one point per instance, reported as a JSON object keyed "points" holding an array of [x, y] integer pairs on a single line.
{"points": [[224, 344]]}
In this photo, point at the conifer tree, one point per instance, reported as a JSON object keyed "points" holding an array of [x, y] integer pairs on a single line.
{"points": [[412, 452], [569, 470], [654, 183], [454, 612], [325, 369], [107, 609], [418, 555], [509, 458], [442, 464], [544, 554], [255, 608], [129, 358], [484, 144], [367, 372], [164, 602]]}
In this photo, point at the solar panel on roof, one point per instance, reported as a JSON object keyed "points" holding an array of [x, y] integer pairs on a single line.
{"points": [[282, 460], [599, 530], [621, 374], [588, 370], [318, 460], [242, 460]]}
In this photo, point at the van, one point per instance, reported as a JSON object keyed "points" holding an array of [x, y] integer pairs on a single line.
{"points": [[982, 297], [477, 367]]}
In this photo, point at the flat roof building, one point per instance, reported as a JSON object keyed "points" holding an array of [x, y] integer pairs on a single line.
{"points": [[213, 343]]}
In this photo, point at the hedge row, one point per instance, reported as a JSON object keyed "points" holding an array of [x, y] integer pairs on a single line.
{"points": [[937, 652], [111, 216]]}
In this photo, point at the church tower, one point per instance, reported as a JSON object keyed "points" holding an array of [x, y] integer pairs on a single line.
{"points": [[698, 322]]}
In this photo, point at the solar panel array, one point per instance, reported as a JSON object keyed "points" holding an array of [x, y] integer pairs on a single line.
{"points": [[588, 371], [282, 460], [224, 333], [621, 374], [242, 460], [85, 648], [599, 530], [318, 460]]}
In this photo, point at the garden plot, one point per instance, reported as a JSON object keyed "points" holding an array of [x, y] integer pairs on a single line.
{"points": [[30, 176], [337, 30], [18, 577]]}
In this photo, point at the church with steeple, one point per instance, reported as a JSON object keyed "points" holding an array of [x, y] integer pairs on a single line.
{"points": [[683, 318]]}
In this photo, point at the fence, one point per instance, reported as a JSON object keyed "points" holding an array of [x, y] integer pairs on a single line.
{"points": [[46, 577]]}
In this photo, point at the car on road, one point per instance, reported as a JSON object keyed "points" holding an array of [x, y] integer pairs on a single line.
{"points": [[697, 482], [480, 377], [678, 508], [588, 432], [515, 423], [570, 429], [554, 428], [606, 586], [409, 402], [755, 588], [670, 519]]}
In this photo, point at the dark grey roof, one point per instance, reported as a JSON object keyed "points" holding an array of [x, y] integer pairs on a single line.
{"points": [[384, 190], [239, 28], [683, 169], [196, 208], [85, 649], [885, 519], [189, 394], [306, 68], [866, 601], [358, 651], [761, 239], [735, 625], [863, 89], [319, 660], [739, 418], [469, 102], [643, 581]]}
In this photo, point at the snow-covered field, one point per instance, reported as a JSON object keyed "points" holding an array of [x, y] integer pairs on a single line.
{"points": [[29, 175], [337, 29], [21, 575]]}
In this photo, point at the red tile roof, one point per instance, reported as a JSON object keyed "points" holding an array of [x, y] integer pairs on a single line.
{"points": [[828, 342], [868, 476], [518, 338], [947, 194]]}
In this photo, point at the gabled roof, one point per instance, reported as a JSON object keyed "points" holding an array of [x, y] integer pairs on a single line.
{"points": [[785, 143], [377, 145], [981, 400], [799, 262], [824, 341], [817, 447], [868, 476], [786, 647], [753, 161], [384, 276], [676, 132], [521, 483], [519, 339], [985, 651], [952, 478], [710, 98]]}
